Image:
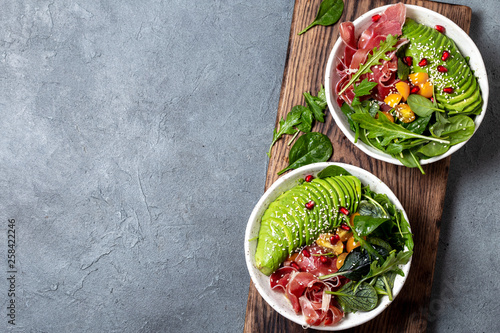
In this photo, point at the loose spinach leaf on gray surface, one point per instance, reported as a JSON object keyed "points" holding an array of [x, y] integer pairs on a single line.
{"points": [[356, 297], [332, 171], [309, 148], [329, 13]]}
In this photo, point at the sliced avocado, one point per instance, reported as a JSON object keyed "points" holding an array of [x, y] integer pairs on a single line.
{"points": [[297, 201], [426, 42], [356, 183], [350, 193], [286, 210], [272, 249], [314, 216], [334, 196], [345, 191], [326, 190], [278, 226], [322, 205]]}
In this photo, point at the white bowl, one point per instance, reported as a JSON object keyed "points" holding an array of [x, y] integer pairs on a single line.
{"points": [[278, 300], [424, 16]]}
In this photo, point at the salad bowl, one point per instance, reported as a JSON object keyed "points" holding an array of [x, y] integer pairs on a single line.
{"points": [[277, 300], [429, 18]]}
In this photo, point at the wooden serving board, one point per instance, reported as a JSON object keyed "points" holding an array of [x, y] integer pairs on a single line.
{"points": [[422, 196]]}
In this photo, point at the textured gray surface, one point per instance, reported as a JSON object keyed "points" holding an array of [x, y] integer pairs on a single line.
{"points": [[133, 140]]}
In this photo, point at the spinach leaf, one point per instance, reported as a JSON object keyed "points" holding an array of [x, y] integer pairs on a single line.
{"points": [[418, 125], [332, 171], [422, 106], [329, 13], [309, 148], [316, 110], [365, 225], [286, 127], [459, 129], [438, 127], [375, 57], [409, 159], [403, 70], [352, 298], [433, 149], [389, 131], [372, 207]]}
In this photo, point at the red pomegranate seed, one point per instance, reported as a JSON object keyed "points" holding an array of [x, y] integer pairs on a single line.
{"points": [[309, 178], [409, 61], [306, 253], [432, 99], [448, 90], [323, 259], [345, 226], [445, 55], [440, 28], [310, 205], [376, 17], [423, 62], [414, 89], [334, 239], [442, 69], [344, 211], [294, 265]]}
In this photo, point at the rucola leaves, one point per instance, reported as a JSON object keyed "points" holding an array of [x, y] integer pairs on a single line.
{"points": [[356, 297], [329, 13]]}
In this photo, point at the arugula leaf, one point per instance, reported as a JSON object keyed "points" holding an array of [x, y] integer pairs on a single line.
{"points": [[285, 127], [332, 171], [389, 131], [329, 13], [364, 88], [384, 284], [316, 110], [306, 118], [390, 264], [309, 148], [321, 98], [352, 298], [374, 58]]}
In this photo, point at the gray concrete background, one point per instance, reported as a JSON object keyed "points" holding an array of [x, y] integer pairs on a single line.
{"points": [[133, 140]]}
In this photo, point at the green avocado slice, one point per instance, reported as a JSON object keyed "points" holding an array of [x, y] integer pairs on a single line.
{"points": [[334, 196], [272, 248], [285, 209], [426, 42], [321, 204]]}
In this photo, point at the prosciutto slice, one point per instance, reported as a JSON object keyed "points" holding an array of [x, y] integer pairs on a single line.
{"points": [[356, 52]]}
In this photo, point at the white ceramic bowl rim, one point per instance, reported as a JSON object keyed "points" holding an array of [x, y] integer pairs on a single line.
{"points": [[277, 300], [428, 17]]}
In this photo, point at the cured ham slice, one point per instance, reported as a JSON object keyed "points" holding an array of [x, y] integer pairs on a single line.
{"points": [[357, 51]]}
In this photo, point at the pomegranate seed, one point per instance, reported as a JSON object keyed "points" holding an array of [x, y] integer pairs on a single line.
{"points": [[376, 17], [414, 89], [442, 69], [294, 265], [344, 211], [309, 178], [310, 205], [445, 55], [409, 61], [345, 226], [323, 259], [440, 28], [423, 62], [334, 239], [448, 90], [306, 253], [432, 99]]}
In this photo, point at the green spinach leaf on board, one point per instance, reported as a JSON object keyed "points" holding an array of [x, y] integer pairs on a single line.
{"points": [[353, 298], [329, 13], [316, 110], [286, 126], [309, 148], [306, 118]]}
